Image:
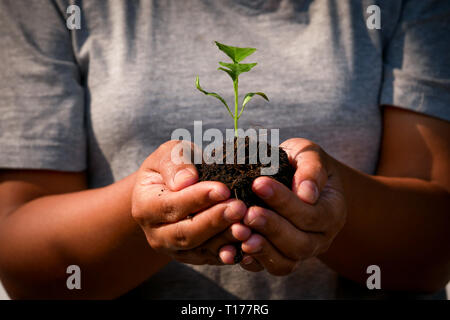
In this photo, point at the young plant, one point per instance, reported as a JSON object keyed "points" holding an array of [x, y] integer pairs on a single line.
{"points": [[234, 70]]}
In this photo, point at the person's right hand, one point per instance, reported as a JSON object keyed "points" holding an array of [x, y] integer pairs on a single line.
{"points": [[186, 220]]}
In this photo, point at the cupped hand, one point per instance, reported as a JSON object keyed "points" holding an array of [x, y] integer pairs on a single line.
{"points": [[182, 218], [302, 222]]}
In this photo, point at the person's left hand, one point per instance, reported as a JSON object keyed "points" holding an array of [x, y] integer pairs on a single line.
{"points": [[303, 221]]}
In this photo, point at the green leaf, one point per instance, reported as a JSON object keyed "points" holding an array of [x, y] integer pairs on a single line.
{"points": [[213, 94], [235, 53], [230, 73], [237, 68], [249, 97]]}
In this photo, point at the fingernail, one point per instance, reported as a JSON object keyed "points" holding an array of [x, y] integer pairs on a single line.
{"points": [[263, 190], [219, 194], [247, 260], [258, 222], [253, 245], [240, 232], [253, 219], [226, 257], [233, 212], [308, 191], [184, 178]]}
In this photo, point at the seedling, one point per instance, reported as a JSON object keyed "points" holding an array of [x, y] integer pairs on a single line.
{"points": [[234, 70], [239, 176]]}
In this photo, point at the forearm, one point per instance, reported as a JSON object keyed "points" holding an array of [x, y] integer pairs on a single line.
{"points": [[93, 229], [399, 224]]}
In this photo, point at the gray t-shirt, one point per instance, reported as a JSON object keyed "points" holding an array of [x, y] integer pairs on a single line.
{"points": [[103, 97]]}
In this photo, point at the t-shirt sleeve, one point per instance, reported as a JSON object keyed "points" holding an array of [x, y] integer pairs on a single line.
{"points": [[417, 60], [41, 96]]}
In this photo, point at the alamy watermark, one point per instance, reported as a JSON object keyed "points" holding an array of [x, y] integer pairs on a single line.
{"points": [[73, 21], [74, 280], [374, 280], [374, 19], [214, 153]]}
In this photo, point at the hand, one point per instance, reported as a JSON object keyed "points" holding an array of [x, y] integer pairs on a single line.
{"points": [[303, 222], [165, 199]]}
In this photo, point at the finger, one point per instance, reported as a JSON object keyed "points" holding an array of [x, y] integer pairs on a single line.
{"points": [[239, 232], [190, 233], [311, 173], [210, 252], [290, 241], [269, 257], [227, 254], [251, 264], [155, 204], [216, 251], [282, 200], [173, 161], [236, 233]]}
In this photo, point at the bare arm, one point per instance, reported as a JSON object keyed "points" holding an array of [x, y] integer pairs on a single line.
{"points": [[49, 221], [118, 235], [397, 219]]}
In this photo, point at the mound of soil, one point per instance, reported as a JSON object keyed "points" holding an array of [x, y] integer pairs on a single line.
{"points": [[239, 177]]}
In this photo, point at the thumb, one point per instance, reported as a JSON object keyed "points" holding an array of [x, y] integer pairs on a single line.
{"points": [[311, 174], [172, 160]]}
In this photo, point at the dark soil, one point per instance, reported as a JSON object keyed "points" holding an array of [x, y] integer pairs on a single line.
{"points": [[239, 177]]}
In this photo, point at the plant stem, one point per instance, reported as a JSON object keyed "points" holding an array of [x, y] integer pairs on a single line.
{"points": [[235, 86]]}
